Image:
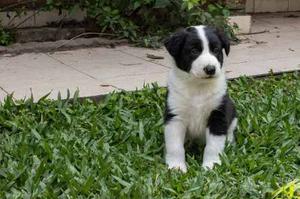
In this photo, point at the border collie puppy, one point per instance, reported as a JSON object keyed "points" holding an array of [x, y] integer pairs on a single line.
{"points": [[198, 106]]}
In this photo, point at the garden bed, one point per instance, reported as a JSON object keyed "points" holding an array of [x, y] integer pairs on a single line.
{"points": [[114, 149]]}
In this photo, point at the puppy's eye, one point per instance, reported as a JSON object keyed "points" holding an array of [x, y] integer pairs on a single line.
{"points": [[216, 50], [195, 51]]}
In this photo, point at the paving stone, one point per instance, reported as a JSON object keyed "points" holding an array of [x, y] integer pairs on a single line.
{"points": [[276, 22], [138, 81], [258, 68], [162, 56], [104, 64], [42, 74]]}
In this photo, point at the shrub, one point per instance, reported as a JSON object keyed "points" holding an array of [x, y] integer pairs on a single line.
{"points": [[145, 22]]}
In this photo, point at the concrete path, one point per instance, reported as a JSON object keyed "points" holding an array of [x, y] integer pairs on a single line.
{"points": [[98, 71]]}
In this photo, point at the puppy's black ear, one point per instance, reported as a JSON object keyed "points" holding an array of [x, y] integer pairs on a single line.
{"points": [[175, 42], [225, 41]]}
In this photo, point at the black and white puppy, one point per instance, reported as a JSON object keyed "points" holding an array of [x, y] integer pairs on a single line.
{"points": [[198, 106]]}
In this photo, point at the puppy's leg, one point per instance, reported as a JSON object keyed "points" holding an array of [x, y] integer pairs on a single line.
{"points": [[230, 132], [174, 139], [214, 147]]}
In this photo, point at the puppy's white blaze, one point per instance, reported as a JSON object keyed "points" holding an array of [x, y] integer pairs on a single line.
{"points": [[202, 36], [174, 140], [205, 58], [215, 145], [230, 132]]}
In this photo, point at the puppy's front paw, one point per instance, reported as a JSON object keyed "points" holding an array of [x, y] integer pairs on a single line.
{"points": [[177, 165], [207, 165]]}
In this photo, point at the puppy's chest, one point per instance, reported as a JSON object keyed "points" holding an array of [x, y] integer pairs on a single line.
{"points": [[197, 112]]}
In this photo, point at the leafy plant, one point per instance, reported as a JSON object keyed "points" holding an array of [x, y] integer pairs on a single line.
{"points": [[142, 19], [5, 37]]}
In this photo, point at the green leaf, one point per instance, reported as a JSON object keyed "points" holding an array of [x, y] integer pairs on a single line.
{"points": [[162, 3]]}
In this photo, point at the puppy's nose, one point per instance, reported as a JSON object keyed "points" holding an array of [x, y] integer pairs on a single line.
{"points": [[210, 69]]}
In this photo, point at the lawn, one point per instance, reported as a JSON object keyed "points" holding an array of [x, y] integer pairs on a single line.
{"points": [[114, 149]]}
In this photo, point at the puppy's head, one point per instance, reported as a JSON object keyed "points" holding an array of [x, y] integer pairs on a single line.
{"points": [[198, 50]]}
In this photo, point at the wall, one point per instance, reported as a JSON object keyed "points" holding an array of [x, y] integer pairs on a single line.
{"points": [[38, 19], [256, 6]]}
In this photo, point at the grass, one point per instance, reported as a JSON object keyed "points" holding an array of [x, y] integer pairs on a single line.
{"points": [[114, 149], [291, 190]]}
